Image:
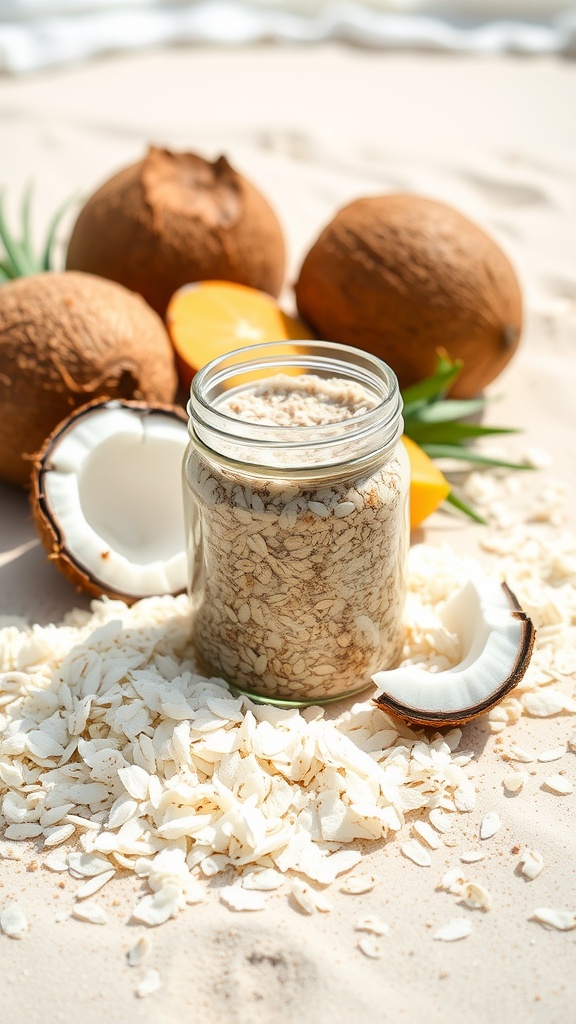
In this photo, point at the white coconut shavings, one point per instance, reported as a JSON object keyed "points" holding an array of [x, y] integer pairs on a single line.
{"points": [[151, 982], [237, 898], [111, 740], [552, 755], [307, 899], [452, 931], [472, 856], [476, 896], [13, 921], [371, 947], [559, 784], [417, 853], [551, 917], [354, 885], [515, 781], [139, 951], [372, 924], [490, 825], [93, 885], [142, 760], [91, 912], [531, 863]]}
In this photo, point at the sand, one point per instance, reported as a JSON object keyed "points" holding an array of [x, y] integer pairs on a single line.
{"points": [[316, 128]]}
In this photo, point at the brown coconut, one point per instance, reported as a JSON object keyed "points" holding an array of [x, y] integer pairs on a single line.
{"points": [[402, 276], [67, 338], [175, 218]]}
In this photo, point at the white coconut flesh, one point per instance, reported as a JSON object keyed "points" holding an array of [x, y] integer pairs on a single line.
{"points": [[112, 486], [496, 640]]}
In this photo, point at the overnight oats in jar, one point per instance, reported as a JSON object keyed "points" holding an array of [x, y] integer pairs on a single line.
{"points": [[296, 489]]}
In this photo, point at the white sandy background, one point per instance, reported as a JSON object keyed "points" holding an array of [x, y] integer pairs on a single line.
{"points": [[315, 128]]}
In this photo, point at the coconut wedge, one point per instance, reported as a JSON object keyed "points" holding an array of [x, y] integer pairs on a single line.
{"points": [[497, 639], [107, 500]]}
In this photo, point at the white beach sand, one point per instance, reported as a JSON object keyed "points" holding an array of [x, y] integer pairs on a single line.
{"points": [[315, 128]]}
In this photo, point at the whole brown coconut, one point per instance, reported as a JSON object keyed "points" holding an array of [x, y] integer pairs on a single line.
{"points": [[174, 218], [402, 276], [65, 339]]}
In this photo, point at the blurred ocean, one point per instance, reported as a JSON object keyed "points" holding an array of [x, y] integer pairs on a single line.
{"points": [[36, 34]]}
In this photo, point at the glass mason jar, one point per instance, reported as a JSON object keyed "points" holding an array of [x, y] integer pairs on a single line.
{"points": [[296, 488]]}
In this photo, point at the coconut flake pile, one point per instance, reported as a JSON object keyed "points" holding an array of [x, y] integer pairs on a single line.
{"points": [[112, 744]]}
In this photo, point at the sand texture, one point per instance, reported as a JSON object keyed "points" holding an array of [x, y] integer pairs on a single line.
{"points": [[315, 128]]}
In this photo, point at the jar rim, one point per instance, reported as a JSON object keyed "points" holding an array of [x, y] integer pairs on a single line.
{"points": [[377, 428]]}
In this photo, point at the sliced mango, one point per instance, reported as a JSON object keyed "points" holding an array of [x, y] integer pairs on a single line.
{"points": [[428, 488]]}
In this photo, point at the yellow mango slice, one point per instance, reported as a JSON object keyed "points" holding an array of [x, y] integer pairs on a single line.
{"points": [[428, 488]]}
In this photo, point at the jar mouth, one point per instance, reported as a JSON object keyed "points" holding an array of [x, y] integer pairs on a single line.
{"points": [[377, 429]]}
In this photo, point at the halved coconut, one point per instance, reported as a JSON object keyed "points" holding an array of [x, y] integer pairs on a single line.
{"points": [[497, 639], [107, 498]]}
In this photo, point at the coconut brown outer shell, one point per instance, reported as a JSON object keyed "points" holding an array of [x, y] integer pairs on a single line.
{"points": [[402, 276], [66, 338], [175, 218]]}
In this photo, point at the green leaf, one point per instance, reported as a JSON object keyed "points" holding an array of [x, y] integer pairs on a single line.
{"points": [[456, 502], [447, 410], [6, 271], [449, 451], [17, 259], [435, 386], [452, 433]]}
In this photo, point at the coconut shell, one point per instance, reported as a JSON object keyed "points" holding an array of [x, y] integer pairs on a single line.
{"points": [[175, 218], [46, 525], [67, 338], [403, 276]]}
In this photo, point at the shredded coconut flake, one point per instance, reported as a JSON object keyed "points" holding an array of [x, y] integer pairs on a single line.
{"points": [[552, 755], [371, 947], [457, 928], [531, 863], [550, 917], [13, 921], [356, 884], [476, 896], [91, 912], [236, 897], [372, 924], [139, 951], [150, 983], [416, 853], [490, 825], [515, 781], [472, 856], [559, 784]]}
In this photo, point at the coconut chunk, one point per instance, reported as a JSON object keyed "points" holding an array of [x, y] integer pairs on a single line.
{"points": [[105, 480], [496, 640]]}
